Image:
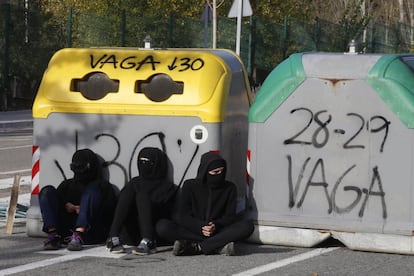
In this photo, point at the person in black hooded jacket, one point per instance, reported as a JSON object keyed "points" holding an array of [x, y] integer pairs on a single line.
{"points": [[207, 221], [142, 202], [80, 208]]}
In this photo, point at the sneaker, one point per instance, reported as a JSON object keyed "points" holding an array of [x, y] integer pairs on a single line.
{"points": [[114, 245], [75, 241], [186, 248], [145, 247], [53, 242], [228, 249]]}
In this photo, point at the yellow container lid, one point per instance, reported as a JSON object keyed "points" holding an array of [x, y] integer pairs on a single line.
{"points": [[170, 82]]}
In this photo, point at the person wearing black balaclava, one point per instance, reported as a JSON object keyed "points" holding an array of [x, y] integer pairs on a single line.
{"points": [[80, 208], [207, 222], [142, 202]]}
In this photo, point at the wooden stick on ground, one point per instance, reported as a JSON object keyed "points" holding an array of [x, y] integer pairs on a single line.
{"points": [[11, 212]]}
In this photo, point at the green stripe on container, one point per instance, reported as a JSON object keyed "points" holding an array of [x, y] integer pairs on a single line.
{"points": [[277, 87], [393, 81]]}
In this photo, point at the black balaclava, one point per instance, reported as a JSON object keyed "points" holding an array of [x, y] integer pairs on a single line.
{"points": [[152, 163], [84, 165], [210, 161]]}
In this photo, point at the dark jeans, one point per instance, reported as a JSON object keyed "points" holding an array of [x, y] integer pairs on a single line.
{"points": [[171, 231], [135, 215], [90, 215]]}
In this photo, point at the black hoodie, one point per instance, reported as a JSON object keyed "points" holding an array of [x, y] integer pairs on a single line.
{"points": [[86, 168], [208, 198], [152, 179]]}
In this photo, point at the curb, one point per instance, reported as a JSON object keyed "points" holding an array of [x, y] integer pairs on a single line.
{"points": [[6, 126]]}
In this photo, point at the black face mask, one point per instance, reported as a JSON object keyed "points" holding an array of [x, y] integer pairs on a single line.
{"points": [[216, 180], [80, 167], [146, 167], [84, 165], [152, 163]]}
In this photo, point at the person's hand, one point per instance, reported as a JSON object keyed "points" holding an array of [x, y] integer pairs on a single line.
{"points": [[208, 230], [71, 208]]}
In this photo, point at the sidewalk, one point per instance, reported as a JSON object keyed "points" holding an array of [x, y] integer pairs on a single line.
{"points": [[15, 119], [23, 198]]}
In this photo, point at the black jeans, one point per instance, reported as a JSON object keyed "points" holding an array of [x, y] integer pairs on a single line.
{"points": [[135, 215], [171, 231]]}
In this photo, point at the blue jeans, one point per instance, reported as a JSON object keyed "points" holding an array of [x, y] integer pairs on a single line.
{"points": [[90, 216]]}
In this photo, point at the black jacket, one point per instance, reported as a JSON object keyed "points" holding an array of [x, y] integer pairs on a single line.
{"points": [[201, 203], [86, 168]]}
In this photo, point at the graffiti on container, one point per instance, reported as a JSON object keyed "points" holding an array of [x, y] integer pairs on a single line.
{"points": [[320, 137], [127, 171], [180, 64]]}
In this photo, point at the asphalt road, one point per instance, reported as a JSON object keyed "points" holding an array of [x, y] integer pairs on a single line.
{"points": [[15, 143], [22, 255]]}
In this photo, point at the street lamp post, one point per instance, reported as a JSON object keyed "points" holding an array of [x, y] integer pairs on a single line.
{"points": [[214, 5], [214, 24], [5, 62], [239, 9]]}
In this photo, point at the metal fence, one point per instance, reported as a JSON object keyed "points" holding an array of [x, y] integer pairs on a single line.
{"points": [[28, 38]]}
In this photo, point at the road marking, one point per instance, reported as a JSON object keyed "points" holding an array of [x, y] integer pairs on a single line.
{"points": [[285, 262], [16, 147], [16, 121], [18, 171], [101, 251], [24, 199], [8, 182], [68, 256]]}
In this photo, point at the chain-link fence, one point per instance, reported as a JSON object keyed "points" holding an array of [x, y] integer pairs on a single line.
{"points": [[28, 38]]}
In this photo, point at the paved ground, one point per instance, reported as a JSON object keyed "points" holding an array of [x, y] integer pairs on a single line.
{"points": [[14, 123]]}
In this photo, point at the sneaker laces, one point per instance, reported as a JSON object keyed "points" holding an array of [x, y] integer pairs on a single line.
{"points": [[115, 241], [76, 236], [51, 236], [144, 243]]}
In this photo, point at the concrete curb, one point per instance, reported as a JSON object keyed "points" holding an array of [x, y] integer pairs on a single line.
{"points": [[17, 123], [18, 119], [6, 126]]}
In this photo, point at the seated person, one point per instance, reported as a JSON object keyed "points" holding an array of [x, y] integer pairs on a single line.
{"points": [[142, 202], [81, 207], [207, 222]]}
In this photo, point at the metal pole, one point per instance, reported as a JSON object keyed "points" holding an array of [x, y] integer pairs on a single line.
{"points": [[214, 24], [206, 19], [285, 37], [6, 60], [70, 26], [239, 18], [123, 27], [171, 30], [26, 21], [250, 53]]}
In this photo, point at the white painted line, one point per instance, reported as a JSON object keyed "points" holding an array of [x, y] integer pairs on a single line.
{"points": [[18, 171], [8, 182], [23, 199], [16, 121], [69, 256], [285, 262], [19, 138], [88, 251], [16, 147]]}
